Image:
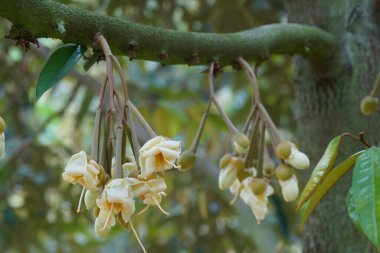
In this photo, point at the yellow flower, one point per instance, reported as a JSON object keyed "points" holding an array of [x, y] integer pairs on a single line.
{"points": [[80, 170], [289, 188], [158, 154], [117, 198], [258, 203]]}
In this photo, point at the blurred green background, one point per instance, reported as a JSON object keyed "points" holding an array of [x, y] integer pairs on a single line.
{"points": [[37, 209]]}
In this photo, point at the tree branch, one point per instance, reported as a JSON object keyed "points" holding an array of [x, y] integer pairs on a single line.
{"points": [[43, 18]]}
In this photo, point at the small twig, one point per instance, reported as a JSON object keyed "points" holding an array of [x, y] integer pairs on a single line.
{"points": [[142, 120], [376, 87], [252, 78], [198, 135], [359, 138]]}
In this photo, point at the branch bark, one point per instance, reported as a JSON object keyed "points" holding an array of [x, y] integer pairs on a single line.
{"points": [[44, 18]]}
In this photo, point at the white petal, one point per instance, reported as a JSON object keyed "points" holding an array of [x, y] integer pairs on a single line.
{"points": [[227, 176], [90, 198], [298, 160], [290, 188]]}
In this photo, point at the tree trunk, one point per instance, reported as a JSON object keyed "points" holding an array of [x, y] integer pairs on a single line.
{"points": [[328, 96]]}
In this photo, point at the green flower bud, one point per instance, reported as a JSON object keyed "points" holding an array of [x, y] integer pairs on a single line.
{"points": [[240, 143], [187, 160], [268, 169], [369, 105], [225, 160], [284, 172], [283, 149], [258, 186]]}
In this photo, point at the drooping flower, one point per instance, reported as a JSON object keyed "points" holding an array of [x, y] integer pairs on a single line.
{"points": [[229, 165], [149, 190], [83, 171], [289, 188], [116, 198], [90, 198], [158, 154], [257, 202], [288, 151]]}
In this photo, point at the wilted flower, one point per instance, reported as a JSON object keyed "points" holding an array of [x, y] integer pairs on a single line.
{"points": [[117, 198], [80, 170], [289, 188], [259, 202], [158, 154]]}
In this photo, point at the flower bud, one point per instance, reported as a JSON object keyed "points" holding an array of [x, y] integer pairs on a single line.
{"points": [[298, 160], [283, 149], [284, 172], [369, 105], [258, 186], [225, 160], [2, 125], [227, 174], [240, 143], [187, 160], [289, 188], [243, 174], [268, 169]]}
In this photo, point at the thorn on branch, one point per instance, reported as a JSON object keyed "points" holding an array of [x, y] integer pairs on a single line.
{"points": [[217, 69]]}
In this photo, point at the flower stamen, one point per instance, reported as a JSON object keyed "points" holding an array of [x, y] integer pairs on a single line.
{"points": [[137, 236], [80, 199], [108, 218]]}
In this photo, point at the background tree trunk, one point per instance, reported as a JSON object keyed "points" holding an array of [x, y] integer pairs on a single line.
{"points": [[328, 96]]}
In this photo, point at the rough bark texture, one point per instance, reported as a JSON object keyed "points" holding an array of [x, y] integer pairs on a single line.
{"points": [[327, 103]]}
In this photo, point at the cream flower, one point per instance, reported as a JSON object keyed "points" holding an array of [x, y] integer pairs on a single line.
{"points": [[150, 191], [80, 170], [258, 203], [158, 154], [117, 198], [229, 165], [297, 159], [289, 188], [2, 144], [90, 198]]}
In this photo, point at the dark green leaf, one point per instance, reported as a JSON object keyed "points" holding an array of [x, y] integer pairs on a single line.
{"points": [[328, 182], [320, 170], [366, 193], [57, 66]]}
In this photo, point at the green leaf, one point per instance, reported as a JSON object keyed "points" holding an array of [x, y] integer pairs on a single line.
{"points": [[366, 193], [352, 212], [57, 66], [329, 181], [320, 170]]}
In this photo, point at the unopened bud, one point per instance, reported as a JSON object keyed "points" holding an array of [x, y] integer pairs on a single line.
{"points": [[284, 172], [283, 149], [240, 143], [225, 160], [268, 169], [369, 105], [187, 160], [258, 186], [2, 125], [243, 174]]}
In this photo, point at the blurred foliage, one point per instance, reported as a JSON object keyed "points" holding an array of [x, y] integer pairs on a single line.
{"points": [[37, 209]]}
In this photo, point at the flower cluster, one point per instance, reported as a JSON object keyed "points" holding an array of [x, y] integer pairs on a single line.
{"points": [[249, 171], [115, 197]]}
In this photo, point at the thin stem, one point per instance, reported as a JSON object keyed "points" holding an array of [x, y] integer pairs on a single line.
{"points": [[249, 119], [134, 140], [253, 143], [276, 138], [122, 78], [142, 120], [198, 135], [376, 87], [359, 138], [226, 119], [261, 152], [118, 155], [96, 135], [210, 78], [252, 78]]}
